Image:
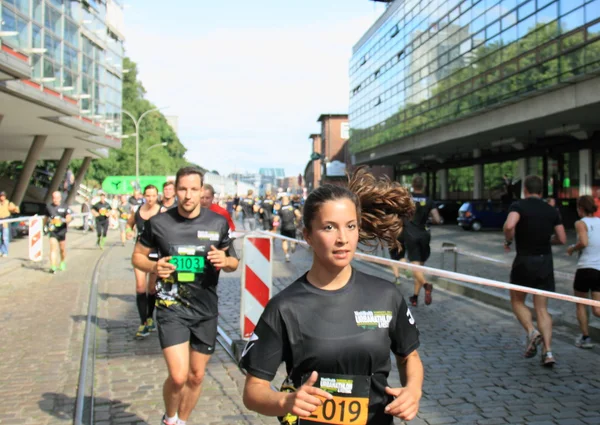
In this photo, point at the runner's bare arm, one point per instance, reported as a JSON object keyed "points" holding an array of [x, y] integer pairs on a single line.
{"points": [[68, 218], [260, 398], [406, 399], [582, 238], [140, 261], [435, 216], [510, 225], [219, 258], [560, 236]]}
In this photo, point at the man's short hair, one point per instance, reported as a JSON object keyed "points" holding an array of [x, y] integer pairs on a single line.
{"points": [[418, 183], [188, 171], [210, 188], [533, 185], [168, 183]]}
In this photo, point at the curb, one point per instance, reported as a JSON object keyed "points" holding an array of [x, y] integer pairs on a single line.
{"points": [[489, 297]]}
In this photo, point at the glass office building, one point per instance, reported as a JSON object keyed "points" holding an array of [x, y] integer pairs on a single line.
{"points": [[426, 63], [75, 49]]}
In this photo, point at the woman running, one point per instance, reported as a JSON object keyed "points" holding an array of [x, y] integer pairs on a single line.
{"points": [[587, 277], [144, 282], [334, 327]]}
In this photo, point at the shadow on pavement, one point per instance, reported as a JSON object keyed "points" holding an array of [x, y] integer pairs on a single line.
{"points": [[121, 297], [62, 407]]}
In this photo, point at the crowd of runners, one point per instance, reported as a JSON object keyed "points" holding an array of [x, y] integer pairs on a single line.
{"points": [[182, 237]]}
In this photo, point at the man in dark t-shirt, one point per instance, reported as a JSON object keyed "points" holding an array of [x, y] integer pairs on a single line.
{"points": [[536, 226], [58, 216], [193, 245], [417, 238], [248, 208], [101, 211]]}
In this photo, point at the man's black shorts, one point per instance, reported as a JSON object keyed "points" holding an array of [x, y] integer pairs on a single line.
{"points": [[267, 224], [587, 280], [416, 245], [533, 271], [59, 236], [289, 233], [173, 329]]}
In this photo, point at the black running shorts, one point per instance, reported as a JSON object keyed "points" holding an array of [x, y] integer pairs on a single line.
{"points": [[587, 280], [416, 245], [59, 236], [533, 271], [289, 233], [174, 329]]}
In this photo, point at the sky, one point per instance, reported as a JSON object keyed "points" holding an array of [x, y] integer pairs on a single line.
{"points": [[247, 79]]}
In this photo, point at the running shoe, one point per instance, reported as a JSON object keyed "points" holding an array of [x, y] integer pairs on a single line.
{"points": [[53, 269], [287, 258], [428, 288], [533, 340], [414, 300], [102, 241], [293, 248], [165, 422], [584, 342], [150, 325], [63, 266], [548, 359], [142, 332]]}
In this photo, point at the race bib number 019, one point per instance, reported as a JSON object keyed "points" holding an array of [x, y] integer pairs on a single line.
{"points": [[350, 402]]}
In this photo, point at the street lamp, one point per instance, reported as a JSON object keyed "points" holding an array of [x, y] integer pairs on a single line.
{"points": [[137, 138], [156, 145]]}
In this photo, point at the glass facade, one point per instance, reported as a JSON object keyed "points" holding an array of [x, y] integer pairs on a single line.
{"points": [[429, 62], [72, 51]]}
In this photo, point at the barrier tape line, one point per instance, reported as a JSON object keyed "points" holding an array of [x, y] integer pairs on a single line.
{"points": [[31, 217], [452, 275]]}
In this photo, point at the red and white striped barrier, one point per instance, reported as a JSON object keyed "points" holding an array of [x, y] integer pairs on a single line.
{"points": [[36, 242], [257, 280]]}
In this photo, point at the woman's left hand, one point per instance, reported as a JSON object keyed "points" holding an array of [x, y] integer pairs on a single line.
{"points": [[406, 403]]}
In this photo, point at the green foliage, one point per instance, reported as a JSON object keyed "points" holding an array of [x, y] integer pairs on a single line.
{"points": [[494, 72], [153, 130]]}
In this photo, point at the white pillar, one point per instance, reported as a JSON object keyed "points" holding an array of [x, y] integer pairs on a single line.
{"points": [[443, 182], [522, 170], [477, 176], [585, 172]]}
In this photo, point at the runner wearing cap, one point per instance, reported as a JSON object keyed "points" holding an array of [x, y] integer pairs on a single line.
{"points": [[101, 211]]}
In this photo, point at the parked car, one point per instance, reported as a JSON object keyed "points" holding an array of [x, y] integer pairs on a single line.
{"points": [[27, 209], [475, 215]]}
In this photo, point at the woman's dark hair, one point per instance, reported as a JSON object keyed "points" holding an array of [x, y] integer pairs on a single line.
{"points": [[586, 204], [381, 206], [149, 187], [186, 171]]}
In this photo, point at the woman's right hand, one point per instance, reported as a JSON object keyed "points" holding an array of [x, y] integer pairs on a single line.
{"points": [[306, 399]]}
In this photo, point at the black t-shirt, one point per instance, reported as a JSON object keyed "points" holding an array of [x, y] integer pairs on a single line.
{"points": [[349, 331], [163, 208], [103, 209], [247, 205], [267, 207], [423, 205], [535, 227], [58, 217], [124, 211], [287, 216], [191, 291]]}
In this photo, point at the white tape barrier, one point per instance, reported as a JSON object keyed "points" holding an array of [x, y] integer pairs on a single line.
{"points": [[31, 217], [455, 276]]}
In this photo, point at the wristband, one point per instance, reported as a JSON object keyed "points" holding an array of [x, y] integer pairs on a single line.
{"points": [[128, 230]]}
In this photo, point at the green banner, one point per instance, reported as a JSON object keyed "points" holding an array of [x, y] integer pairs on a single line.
{"points": [[119, 185]]}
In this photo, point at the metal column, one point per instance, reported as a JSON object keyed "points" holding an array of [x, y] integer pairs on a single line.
{"points": [[78, 179], [28, 168], [59, 174]]}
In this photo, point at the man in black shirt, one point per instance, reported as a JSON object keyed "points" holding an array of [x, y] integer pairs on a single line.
{"points": [[536, 226], [193, 246], [169, 200], [287, 217], [58, 216], [101, 211], [417, 238], [266, 212], [248, 208]]}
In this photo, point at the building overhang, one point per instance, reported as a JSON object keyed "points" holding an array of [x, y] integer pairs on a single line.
{"points": [[40, 95], [13, 65]]}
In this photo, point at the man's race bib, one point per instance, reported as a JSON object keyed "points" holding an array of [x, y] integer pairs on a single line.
{"points": [[189, 262], [103, 211], [350, 403], [124, 216], [57, 222]]}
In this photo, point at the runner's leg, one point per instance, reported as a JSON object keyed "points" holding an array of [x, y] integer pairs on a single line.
{"points": [[521, 311], [419, 278], [193, 386], [582, 314], [596, 297], [178, 363], [53, 253], [141, 297], [544, 320]]}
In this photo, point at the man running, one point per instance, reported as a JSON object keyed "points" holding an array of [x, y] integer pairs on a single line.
{"points": [[207, 201], [124, 212], [193, 246], [6, 209], [287, 218], [169, 200], [417, 238], [136, 200], [266, 212], [101, 211], [248, 208], [536, 226], [58, 216]]}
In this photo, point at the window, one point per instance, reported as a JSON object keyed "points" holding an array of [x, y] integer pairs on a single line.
{"points": [[71, 33], [52, 46], [53, 20], [70, 59]]}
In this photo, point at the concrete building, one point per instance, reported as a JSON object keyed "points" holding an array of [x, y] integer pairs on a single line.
{"points": [[509, 80], [60, 84]]}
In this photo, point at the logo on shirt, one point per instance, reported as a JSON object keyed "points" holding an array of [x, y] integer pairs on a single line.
{"points": [[250, 344], [373, 319], [211, 236], [340, 386]]}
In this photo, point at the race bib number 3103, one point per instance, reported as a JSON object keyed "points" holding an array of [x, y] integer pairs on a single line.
{"points": [[350, 402]]}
